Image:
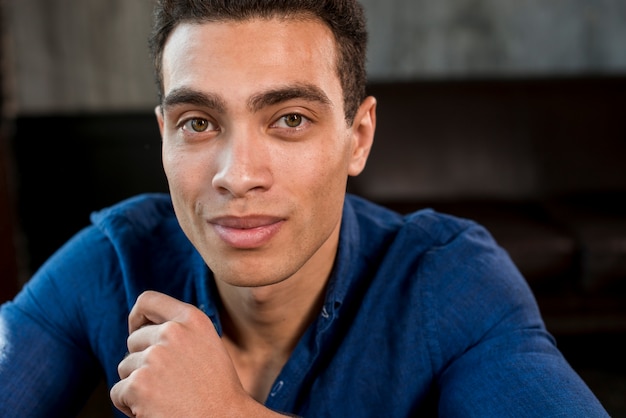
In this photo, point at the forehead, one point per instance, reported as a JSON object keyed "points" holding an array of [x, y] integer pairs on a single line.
{"points": [[250, 51]]}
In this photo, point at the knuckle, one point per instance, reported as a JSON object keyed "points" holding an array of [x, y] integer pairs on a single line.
{"points": [[154, 357], [121, 369], [167, 331], [144, 297]]}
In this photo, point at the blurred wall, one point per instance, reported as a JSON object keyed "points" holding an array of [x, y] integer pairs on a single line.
{"points": [[80, 55], [91, 55], [501, 38]]}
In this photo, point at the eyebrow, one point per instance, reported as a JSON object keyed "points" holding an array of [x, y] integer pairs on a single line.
{"points": [[186, 95], [308, 92]]}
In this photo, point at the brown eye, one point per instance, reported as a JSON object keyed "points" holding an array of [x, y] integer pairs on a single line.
{"points": [[293, 121], [199, 125]]}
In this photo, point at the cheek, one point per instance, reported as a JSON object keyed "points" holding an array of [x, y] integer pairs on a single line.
{"points": [[181, 169], [174, 172], [183, 188], [312, 173], [170, 158], [323, 177], [329, 167]]}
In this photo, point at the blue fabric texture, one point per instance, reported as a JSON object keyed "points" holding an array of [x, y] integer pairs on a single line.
{"points": [[422, 312]]}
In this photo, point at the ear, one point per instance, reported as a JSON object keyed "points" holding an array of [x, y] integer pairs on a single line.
{"points": [[363, 129], [159, 115]]}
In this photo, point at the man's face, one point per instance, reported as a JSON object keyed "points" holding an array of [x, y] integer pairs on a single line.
{"points": [[256, 147]]}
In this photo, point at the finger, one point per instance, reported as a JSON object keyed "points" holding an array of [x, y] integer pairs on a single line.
{"points": [[142, 338], [128, 365], [117, 395], [154, 308]]}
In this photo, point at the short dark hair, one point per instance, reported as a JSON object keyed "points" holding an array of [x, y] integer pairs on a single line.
{"points": [[345, 18]]}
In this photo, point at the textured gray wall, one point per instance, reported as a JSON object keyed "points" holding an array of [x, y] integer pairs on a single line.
{"points": [[486, 38], [90, 55], [80, 55]]}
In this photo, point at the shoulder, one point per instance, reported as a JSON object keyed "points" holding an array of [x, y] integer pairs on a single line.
{"points": [[426, 252], [418, 231], [117, 235], [142, 212], [468, 287], [452, 268], [149, 244], [142, 224], [134, 244], [455, 257]]}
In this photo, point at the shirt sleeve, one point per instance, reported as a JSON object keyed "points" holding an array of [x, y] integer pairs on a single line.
{"points": [[47, 365], [489, 341]]}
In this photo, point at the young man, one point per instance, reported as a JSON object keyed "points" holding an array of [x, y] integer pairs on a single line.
{"points": [[258, 288]]}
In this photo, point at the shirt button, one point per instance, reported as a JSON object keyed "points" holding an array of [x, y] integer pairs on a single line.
{"points": [[277, 387]]}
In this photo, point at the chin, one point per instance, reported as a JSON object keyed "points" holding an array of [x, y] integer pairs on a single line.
{"points": [[249, 282], [251, 276]]}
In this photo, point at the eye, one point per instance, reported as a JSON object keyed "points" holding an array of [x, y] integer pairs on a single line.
{"points": [[198, 125], [292, 120]]}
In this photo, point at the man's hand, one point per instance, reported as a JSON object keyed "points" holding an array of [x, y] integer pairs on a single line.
{"points": [[177, 365]]}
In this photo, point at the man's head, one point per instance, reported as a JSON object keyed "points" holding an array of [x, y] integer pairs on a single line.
{"points": [[256, 148], [345, 18]]}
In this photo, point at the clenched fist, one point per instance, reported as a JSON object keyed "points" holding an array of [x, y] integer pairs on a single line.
{"points": [[177, 365]]}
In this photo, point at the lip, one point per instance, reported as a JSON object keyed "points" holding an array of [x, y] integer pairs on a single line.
{"points": [[246, 232]]}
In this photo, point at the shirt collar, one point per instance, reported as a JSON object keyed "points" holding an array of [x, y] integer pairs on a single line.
{"points": [[345, 268]]}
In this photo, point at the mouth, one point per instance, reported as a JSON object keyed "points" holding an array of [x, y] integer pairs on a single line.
{"points": [[246, 232]]}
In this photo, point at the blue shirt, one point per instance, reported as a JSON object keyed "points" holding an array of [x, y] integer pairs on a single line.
{"points": [[420, 310]]}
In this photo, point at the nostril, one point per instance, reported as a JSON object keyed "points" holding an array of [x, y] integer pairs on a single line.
{"points": [[239, 178]]}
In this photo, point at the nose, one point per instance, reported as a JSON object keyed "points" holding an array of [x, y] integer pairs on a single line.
{"points": [[243, 166]]}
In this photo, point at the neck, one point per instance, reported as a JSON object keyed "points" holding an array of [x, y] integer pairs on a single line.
{"points": [[274, 317], [262, 325], [270, 318]]}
